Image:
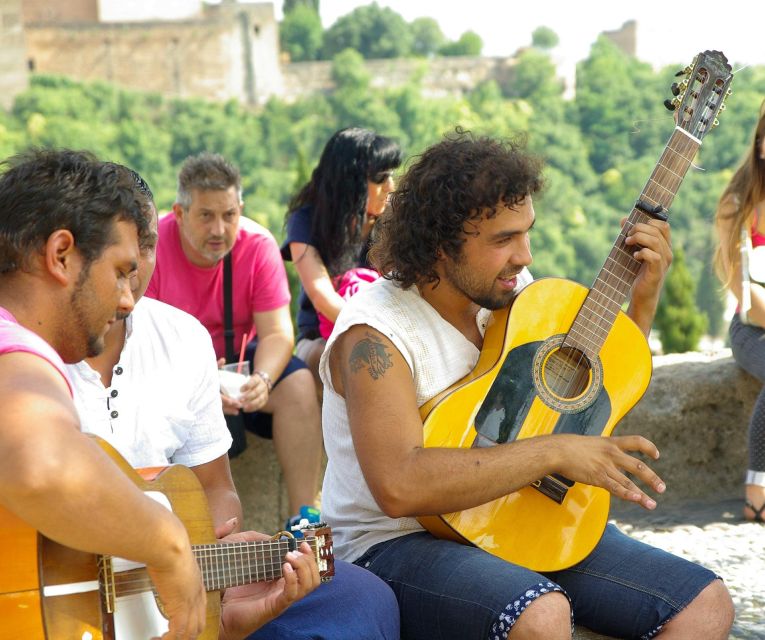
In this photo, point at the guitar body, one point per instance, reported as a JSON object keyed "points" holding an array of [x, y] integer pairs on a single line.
{"points": [[52, 592], [511, 394]]}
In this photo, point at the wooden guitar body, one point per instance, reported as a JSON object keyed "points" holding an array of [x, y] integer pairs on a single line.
{"points": [[52, 592], [528, 527]]}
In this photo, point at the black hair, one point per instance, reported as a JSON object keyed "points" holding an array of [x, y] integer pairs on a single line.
{"points": [[46, 190], [337, 192]]}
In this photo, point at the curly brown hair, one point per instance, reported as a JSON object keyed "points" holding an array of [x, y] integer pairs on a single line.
{"points": [[459, 179]]}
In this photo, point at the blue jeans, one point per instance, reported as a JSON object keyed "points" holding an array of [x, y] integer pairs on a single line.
{"points": [[354, 605], [748, 345], [448, 591]]}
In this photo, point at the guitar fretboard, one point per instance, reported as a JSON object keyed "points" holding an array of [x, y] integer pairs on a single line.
{"points": [[239, 563], [614, 282], [225, 565]]}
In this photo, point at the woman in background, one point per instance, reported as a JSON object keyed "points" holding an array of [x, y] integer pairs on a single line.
{"points": [[740, 221], [329, 223]]}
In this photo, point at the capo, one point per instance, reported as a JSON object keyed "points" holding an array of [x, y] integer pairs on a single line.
{"points": [[292, 543], [655, 211]]}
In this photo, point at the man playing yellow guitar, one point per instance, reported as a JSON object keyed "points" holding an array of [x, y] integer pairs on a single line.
{"points": [[455, 243]]}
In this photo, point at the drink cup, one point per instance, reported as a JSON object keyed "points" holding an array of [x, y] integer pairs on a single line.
{"points": [[232, 377]]}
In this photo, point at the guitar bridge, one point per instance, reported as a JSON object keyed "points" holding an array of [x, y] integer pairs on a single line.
{"points": [[106, 583], [554, 487]]}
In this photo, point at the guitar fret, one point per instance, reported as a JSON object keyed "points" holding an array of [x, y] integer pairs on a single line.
{"points": [[671, 171], [661, 186], [607, 311], [632, 266]]}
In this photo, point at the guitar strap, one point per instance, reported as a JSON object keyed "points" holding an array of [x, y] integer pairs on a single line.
{"points": [[228, 309]]}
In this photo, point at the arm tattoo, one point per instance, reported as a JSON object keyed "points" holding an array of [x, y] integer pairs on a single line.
{"points": [[370, 353]]}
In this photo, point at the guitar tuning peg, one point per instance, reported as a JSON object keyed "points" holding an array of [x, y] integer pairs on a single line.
{"points": [[723, 107], [715, 123], [670, 106], [728, 92], [675, 89]]}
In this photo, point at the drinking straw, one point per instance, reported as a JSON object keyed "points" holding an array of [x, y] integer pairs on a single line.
{"points": [[245, 340]]}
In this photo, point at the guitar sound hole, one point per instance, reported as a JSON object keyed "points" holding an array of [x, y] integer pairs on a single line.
{"points": [[567, 373]]}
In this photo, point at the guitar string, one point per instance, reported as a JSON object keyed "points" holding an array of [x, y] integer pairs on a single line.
{"points": [[682, 152], [130, 583]]}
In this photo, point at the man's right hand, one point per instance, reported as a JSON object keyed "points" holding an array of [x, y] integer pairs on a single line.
{"points": [[181, 591], [604, 462]]}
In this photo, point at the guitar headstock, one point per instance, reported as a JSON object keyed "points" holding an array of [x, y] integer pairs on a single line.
{"points": [[319, 537], [700, 97]]}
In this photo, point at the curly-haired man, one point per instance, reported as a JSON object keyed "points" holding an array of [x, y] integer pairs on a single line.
{"points": [[454, 245]]}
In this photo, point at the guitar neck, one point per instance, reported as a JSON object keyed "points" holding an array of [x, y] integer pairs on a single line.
{"points": [[614, 282], [239, 563]]}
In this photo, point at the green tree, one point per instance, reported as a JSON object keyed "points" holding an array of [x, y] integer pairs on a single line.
{"points": [[469, 44], [373, 31], [618, 106], [710, 297], [678, 320], [544, 38], [534, 78], [352, 101], [290, 5], [301, 34], [427, 37]]}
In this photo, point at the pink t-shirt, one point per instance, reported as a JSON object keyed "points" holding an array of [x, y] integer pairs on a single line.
{"points": [[259, 282], [14, 338]]}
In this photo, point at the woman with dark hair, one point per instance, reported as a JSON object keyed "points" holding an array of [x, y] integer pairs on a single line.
{"points": [[740, 264], [329, 224]]}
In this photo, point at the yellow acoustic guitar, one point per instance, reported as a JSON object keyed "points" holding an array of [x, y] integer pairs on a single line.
{"points": [[52, 592], [566, 360]]}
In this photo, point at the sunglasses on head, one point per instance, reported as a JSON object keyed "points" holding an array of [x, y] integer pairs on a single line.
{"points": [[380, 177]]}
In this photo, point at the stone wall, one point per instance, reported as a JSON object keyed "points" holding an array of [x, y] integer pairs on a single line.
{"points": [[230, 53], [696, 411], [13, 62], [59, 12], [448, 76]]}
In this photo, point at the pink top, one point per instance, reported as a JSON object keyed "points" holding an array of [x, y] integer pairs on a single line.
{"points": [[347, 285], [758, 239], [260, 281], [14, 338]]}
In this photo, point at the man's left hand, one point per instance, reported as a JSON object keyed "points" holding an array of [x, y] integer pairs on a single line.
{"points": [[247, 608], [655, 253], [654, 238]]}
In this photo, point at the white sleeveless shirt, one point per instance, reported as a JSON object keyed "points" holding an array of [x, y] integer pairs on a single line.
{"points": [[437, 354]]}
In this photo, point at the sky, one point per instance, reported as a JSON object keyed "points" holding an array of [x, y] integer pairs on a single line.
{"points": [[667, 32]]}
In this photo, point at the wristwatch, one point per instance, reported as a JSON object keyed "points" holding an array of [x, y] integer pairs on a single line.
{"points": [[265, 378]]}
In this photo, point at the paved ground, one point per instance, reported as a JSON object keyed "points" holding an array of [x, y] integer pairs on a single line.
{"points": [[715, 535]]}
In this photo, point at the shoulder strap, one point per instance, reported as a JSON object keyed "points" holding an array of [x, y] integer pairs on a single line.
{"points": [[228, 308]]}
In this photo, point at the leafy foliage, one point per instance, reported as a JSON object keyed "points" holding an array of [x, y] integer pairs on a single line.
{"points": [[544, 38], [600, 147], [679, 322], [372, 30], [469, 44], [301, 34]]}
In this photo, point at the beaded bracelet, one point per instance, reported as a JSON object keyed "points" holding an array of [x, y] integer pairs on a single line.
{"points": [[265, 378]]}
